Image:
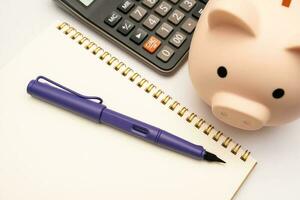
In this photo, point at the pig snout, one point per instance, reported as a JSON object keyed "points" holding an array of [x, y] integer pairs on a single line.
{"points": [[239, 111]]}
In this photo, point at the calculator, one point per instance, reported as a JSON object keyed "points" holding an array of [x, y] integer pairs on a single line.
{"points": [[157, 31]]}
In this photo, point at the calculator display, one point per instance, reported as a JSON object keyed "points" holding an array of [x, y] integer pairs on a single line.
{"points": [[86, 2]]}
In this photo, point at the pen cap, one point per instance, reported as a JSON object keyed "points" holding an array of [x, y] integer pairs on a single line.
{"points": [[66, 100]]}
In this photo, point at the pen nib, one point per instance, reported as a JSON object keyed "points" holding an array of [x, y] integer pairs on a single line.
{"points": [[212, 157]]}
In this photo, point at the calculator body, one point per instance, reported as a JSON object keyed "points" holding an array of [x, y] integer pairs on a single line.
{"points": [[141, 29]]}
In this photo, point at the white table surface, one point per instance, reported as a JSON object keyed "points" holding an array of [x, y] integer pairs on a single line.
{"points": [[277, 175]]}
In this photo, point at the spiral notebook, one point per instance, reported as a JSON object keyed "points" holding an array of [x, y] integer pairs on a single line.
{"points": [[48, 153]]}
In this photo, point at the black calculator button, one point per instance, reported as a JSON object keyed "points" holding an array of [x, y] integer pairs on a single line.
{"points": [[176, 17], [198, 10], [113, 19], [189, 25], [138, 13], [125, 6], [177, 39], [163, 9], [164, 30], [151, 22], [165, 53], [138, 36], [187, 5], [125, 27], [150, 3]]}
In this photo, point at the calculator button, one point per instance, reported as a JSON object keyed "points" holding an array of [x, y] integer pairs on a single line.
{"points": [[113, 19], [176, 17], [138, 13], [177, 39], [151, 22], [125, 6], [138, 36], [198, 10], [163, 8], [164, 30], [165, 53], [152, 44], [174, 1], [150, 3], [187, 5], [189, 25], [125, 27]]}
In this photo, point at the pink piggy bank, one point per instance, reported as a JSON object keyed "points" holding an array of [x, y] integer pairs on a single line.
{"points": [[245, 61]]}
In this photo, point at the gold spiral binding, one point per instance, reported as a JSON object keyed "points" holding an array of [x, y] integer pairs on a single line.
{"points": [[104, 55], [157, 94], [165, 100], [191, 117], [134, 76], [83, 40], [150, 88], [63, 25], [208, 129], [90, 45], [182, 111], [142, 83], [126, 71], [226, 143], [245, 155], [235, 149], [200, 123], [174, 105], [119, 66], [67, 30], [76, 35], [217, 136], [96, 51], [112, 60]]}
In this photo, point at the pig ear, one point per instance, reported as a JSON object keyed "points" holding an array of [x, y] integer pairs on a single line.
{"points": [[242, 16]]}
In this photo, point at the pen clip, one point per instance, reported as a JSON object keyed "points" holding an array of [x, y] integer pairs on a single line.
{"points": [[69, 90]]}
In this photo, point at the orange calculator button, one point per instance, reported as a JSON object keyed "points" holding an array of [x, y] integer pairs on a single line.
{"points": [[152, 44]]}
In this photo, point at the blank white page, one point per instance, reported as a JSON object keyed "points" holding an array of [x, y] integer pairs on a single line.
{"points": [[50, 153]]}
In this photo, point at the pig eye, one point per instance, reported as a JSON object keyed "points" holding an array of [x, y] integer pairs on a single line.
{"points": [[222, 72], [278, 93]]}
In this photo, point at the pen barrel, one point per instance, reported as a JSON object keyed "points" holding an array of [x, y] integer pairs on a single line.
{"points": [[129, 125], [180, 145], [58, 97], [151, 134]]}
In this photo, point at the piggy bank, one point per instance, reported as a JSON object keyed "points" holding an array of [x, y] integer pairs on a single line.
{"points": [[245, 61]]}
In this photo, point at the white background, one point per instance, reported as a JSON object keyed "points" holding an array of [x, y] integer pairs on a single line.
{"points": [[277, 149]]}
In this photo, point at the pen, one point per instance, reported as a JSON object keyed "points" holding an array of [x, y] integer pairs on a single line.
{"points": [[86, 106]]}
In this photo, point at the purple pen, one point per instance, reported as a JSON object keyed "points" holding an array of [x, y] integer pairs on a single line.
{"points": [[86, 106]]}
